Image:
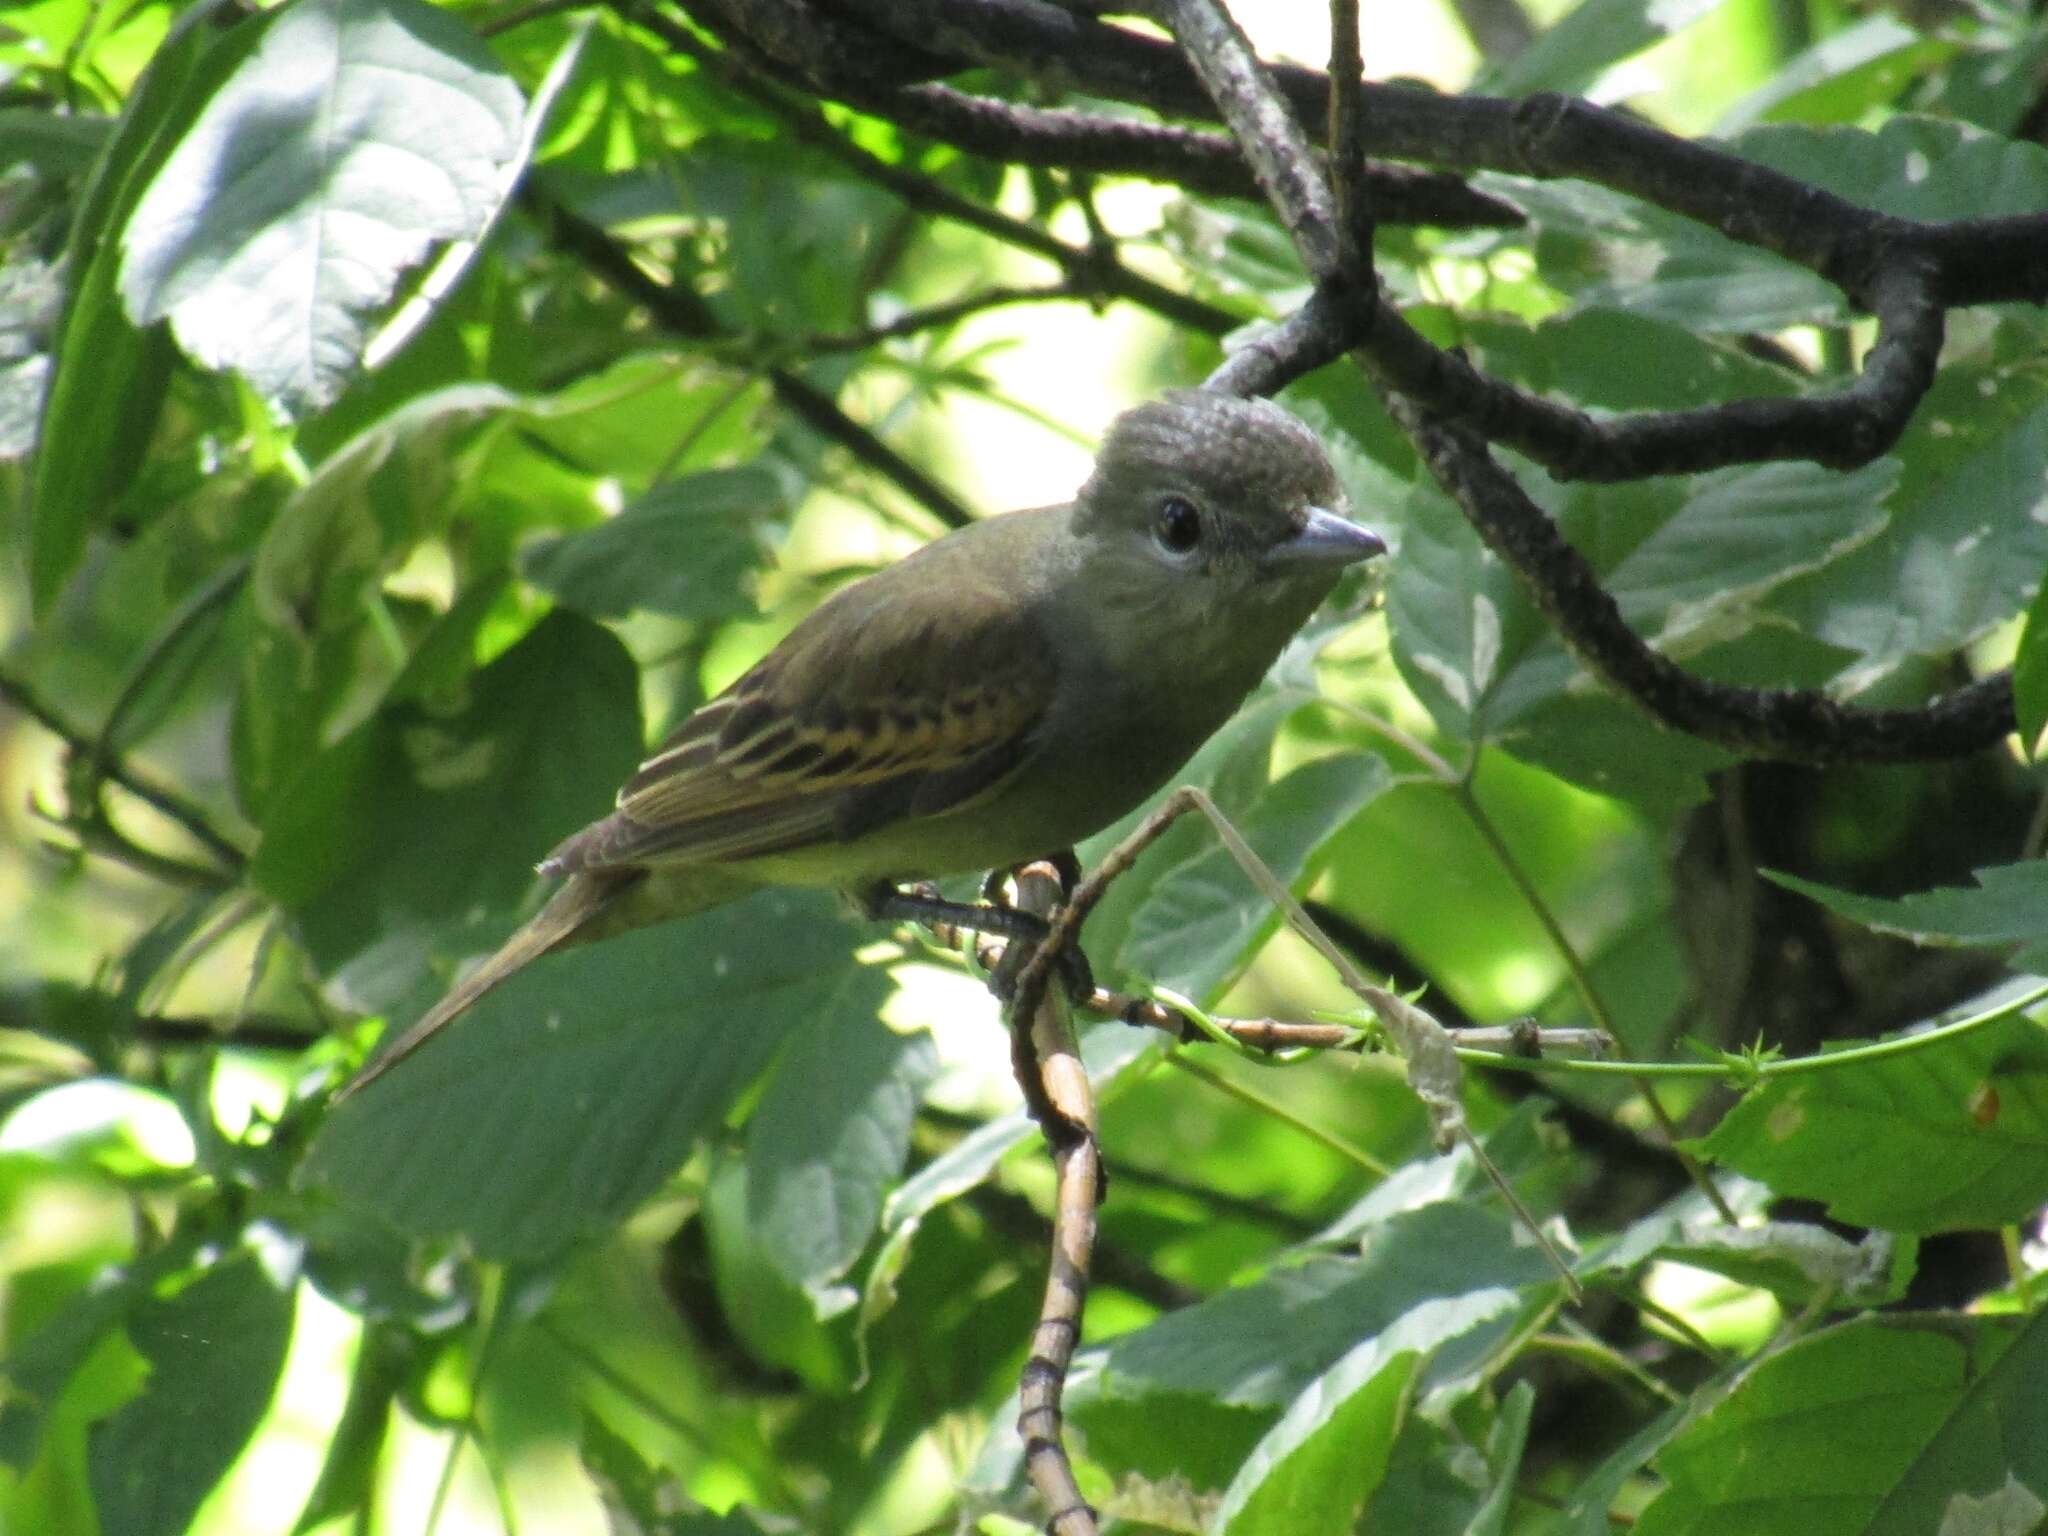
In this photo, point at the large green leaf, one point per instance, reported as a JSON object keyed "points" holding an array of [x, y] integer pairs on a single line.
{"points": [[357, 135], [215, 1349], [1888, 1425], [1439, 1272], [1969, 519], [1950, 1137], [565, 1097], [415, 836], [1692, 564]]}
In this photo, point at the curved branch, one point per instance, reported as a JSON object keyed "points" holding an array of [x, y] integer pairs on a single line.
{"points": [[1800, 724]]}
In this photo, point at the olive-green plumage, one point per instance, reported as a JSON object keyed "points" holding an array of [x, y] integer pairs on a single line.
{"points": [[997, 696]]}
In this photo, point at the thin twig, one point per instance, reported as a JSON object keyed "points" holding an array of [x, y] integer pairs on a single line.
{"points": [[165, 801], [682, 312]]}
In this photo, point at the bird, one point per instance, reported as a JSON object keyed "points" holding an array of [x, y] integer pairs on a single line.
{"points": [[993, 698]]}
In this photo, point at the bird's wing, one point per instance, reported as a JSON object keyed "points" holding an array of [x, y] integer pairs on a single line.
{"points": [[870, 712]]}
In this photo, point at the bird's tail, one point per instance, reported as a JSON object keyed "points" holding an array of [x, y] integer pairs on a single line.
{"points": [[571, 909]]}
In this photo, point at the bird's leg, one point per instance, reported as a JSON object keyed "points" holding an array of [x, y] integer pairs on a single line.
{"points": [[922, 904]]}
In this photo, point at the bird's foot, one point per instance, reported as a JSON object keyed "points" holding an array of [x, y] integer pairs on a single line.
{"points": [[922, 904]]}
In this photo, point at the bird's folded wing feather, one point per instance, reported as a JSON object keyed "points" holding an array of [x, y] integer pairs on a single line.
{"points": [[860, 718]]}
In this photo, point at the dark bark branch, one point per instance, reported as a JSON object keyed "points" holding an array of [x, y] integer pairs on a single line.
{"points": [[1264, 127], [1975, 261], [1798, 724], [1191, 158], [1092, 270]]}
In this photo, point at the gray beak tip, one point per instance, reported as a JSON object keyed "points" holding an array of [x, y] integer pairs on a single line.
{"points": [[1329, 539]]}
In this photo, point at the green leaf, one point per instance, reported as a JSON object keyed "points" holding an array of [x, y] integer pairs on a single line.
{"points": [[1914, 167], [1879, 1427], [686, 548], [1440, 1272], [780, 1323], [1606, 250], [416, 834], [34, 1372], [2008, 905], [1585, 1510], [1572, 54], [1842, 76], [1969, 518], [565, 1097], [1318, 1468], [1948, 1138], [357, 135], [1799, 1262], [311, 654], [827, 1139], [219, 1342], [2030, 674], [107, 381], [1201, 917]]}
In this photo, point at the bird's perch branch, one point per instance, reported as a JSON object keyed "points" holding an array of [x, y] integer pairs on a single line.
{"points": [[1056, 1087]]}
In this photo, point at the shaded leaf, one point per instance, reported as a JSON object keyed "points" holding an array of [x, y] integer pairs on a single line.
{"points": [[686, 549], [220, 1342], [416, 834], [565, 1097], [107, 381], [2008, 905], [1569, 55]]}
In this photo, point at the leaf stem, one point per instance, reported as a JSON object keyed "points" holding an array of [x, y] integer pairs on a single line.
{"points": [[1349, 1151], [1741, 1073]]}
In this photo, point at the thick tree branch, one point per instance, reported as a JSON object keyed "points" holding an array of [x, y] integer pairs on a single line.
{"points": [[1976, 261]]}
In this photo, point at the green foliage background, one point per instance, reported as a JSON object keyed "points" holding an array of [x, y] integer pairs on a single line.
{"points": [[736, 1227]]}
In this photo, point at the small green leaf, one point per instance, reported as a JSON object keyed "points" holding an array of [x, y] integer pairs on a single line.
{"points": [[828, 1137], [1570, 55], [1201, 917]]}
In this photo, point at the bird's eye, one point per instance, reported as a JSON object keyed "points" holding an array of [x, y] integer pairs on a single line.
{"points": [[1178, 527]]}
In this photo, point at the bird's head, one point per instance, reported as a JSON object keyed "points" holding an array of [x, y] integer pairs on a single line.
{"points": [[1205, 499]]}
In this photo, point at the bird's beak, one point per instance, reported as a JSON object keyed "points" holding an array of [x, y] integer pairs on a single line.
{"points": [[1327, 539]]}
